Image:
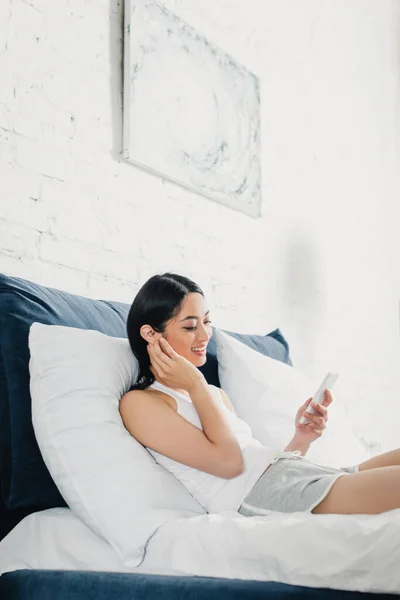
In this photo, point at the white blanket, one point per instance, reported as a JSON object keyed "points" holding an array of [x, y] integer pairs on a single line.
{"points": [[354, 552], [349, 552]]}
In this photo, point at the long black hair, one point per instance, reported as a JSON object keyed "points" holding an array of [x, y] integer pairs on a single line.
{"points": [[157, 301]]}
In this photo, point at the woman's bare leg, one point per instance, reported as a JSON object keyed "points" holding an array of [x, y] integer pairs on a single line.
{"points": [[371, 491], [389, 459]]}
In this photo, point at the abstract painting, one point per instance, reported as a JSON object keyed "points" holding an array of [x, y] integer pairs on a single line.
{"points": [[191, 112]]}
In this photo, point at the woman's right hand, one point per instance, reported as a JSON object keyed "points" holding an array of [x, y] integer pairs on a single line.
{"points": [[170, 368]]}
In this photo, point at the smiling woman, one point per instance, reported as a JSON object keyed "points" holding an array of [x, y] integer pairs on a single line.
{"points": [[192, 429]]}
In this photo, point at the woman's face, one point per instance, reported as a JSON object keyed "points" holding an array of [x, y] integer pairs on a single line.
{"points": [[190, 330]]}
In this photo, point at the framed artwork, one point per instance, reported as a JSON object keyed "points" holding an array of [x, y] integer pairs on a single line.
{"points": [[191, 112]]}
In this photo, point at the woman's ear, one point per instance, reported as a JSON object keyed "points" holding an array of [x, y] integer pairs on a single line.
{"points": [[148, 333]]}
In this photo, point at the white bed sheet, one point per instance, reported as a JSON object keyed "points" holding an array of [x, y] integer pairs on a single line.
{"points": [[349, 552], [58, 539]]}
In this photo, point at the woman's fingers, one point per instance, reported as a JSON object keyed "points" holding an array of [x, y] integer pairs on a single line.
{"points": [[158, 354], [158, 364], [328, 398], [318, 431], [311, 428], [306, 403], [321, 409], [167, 348], [319, 421]]}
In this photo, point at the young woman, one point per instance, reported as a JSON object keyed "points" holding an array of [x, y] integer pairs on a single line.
{"points": [[191, 428]]}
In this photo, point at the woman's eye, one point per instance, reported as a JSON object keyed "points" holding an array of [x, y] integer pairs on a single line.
{"points": [[194, 328]]}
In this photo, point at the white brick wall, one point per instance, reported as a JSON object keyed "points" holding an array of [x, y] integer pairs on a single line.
{"points": [[322, 262]]}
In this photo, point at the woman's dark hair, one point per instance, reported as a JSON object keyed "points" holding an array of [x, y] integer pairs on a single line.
{"points": [[157, 301]]}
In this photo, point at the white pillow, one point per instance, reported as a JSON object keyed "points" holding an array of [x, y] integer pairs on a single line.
{"points": [[267, 393], [106, 477]]}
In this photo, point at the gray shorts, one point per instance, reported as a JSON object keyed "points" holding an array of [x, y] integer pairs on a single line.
{"points": [[292, 483]]}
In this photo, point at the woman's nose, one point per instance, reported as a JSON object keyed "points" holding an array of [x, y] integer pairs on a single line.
{"points": [[204, 336]]}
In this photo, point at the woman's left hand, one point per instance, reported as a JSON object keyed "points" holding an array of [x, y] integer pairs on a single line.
{"points": [[309, 432]]}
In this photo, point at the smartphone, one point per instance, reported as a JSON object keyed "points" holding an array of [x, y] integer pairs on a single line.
{"points": [[327, 384]]}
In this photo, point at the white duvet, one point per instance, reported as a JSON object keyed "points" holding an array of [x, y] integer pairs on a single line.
{"points": [[355, 552]]}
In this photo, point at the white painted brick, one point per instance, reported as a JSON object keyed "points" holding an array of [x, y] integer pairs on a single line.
{"points": [[8, 79], [73, 254], [27, 154], [110, 288], [120, 266], [5, 117], [18, 183], [11, 265], [26, 22], [27, 211], [127, 234], [18, 241], [32, 102], [55, 161], [62, 278], [5, 15], [27, 127], [73, 212], [6, 138], [113, 6], [56, 193], [39, 5], [76, 225]]}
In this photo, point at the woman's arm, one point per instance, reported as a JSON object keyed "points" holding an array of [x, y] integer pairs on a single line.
{"points": [[213, 421], [306, 433], [175, 371], [297, 444], [156, 425]]}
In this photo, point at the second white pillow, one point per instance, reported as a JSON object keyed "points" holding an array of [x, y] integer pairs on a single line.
{"points": [[267, 393]]}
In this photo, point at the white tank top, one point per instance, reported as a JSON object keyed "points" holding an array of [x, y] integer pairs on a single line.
{"points": [[214, 493]]}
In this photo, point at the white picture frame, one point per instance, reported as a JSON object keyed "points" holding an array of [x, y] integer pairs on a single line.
{"points": [[191, 112]]}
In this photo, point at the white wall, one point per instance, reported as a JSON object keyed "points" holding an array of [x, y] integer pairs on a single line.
{"points": [[322, 262]]}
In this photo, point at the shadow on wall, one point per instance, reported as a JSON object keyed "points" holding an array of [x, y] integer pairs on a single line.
{"points": [[304, 297], [116, 41]]}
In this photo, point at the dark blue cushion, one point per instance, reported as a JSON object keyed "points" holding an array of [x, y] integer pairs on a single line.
{"points": [[24, 478], [89, 585]]}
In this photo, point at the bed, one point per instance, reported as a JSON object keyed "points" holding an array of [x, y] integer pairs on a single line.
{"points": [[47, 551]]}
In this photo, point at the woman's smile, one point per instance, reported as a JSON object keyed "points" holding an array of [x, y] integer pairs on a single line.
{"points": [[200, 351]]}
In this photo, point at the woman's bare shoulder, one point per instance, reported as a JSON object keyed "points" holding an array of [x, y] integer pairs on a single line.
{"points": [[138, 396]]}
